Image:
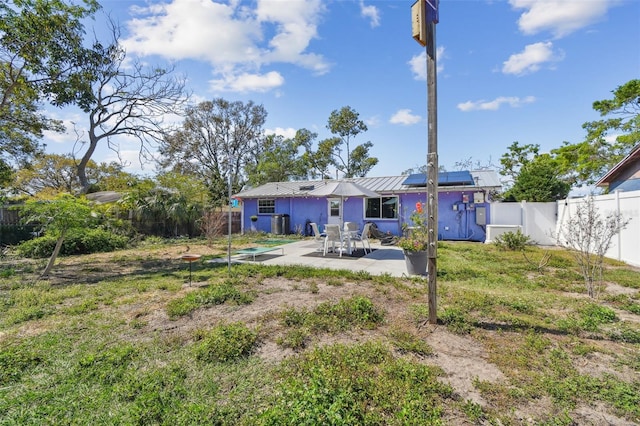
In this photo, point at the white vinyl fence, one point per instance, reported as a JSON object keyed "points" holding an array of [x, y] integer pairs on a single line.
{"points": [[626, 245], [537, 220], [542, 221]]}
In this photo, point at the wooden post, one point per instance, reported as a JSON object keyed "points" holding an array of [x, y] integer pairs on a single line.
{"points": [[432, 161]]}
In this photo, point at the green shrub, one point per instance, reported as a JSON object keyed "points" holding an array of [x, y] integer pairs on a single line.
{"points": [[456, 321], [225, 343], [210, 296], [78, 241], [594, 315], [14, 234], [513, 241], [15, 361], [356, 385]]}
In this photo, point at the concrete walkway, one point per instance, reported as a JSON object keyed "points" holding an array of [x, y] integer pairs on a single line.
{"points": [[383, 259]]}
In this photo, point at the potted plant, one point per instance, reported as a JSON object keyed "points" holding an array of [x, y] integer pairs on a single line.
{"points": [[415, 242], [254, 219]]}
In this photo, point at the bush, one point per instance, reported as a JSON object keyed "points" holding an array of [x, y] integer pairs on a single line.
{"points": [[225, 343], [80, 241], [15, 234], [513, 241]]}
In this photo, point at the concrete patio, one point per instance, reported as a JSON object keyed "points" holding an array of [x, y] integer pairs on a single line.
{"points": [[383, 259]]}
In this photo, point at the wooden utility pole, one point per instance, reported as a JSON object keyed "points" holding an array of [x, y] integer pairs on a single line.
{"points": [[424, 20]]}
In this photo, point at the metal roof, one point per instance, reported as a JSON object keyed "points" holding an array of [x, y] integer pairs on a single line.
{"points": [[483, 179]]}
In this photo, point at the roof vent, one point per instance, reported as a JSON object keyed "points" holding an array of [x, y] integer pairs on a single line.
{"points": [[307, 187]]}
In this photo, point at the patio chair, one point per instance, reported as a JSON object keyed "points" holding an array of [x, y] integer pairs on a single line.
{"points": [[332, 236], [317, 236], [350, 230], [363, 237]]}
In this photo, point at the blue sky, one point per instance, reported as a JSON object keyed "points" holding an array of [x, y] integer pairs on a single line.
{"points": [[517, 70]]}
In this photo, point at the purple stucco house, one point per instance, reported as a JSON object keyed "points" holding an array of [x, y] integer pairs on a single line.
{"points": [[288, 207]]}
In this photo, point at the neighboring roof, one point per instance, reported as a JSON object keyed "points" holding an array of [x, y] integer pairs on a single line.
{"points": [[611, 174], [483, 179], [104, 196]]}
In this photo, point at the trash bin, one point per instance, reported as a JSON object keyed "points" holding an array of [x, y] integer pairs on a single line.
{"points": [[276, 224], [286, 224]]}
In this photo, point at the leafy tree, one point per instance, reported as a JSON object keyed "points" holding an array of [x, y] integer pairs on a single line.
{"points": [[215, 142], [6, 174], [53, 173], [538, 180], [42, 57], [279, 160], [346, 124], [608, 140], [128, 99], [532, 176], [321, 160], [57, 217], [516, 157]]}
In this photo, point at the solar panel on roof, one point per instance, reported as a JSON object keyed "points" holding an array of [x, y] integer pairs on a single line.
{"points": [[444, 179], [417, 179], [455, 178]]}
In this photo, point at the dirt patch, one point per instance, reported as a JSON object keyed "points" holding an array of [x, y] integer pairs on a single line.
{"points": [[464, 360], [616, 289]]}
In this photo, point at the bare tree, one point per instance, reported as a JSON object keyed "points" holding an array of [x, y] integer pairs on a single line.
{"points": [[128, 100], [589, 235], [216, 140]]}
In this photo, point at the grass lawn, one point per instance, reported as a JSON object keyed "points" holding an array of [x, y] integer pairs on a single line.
{"points": [[122, 338]]}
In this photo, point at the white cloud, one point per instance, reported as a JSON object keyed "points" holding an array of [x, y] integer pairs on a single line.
{"points": [[418, 63], [370, 12], [373, 121], [404, 117], [288, 133], [531, 58], [248, 82], [72, 122], [560, 17], [495, 104], [238, 41]]}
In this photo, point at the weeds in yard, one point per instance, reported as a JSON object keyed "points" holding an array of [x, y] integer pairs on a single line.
{"points": [[407, 342], [342, 385], [210, 296], [225, 343], [94, 350], [347, 314]]}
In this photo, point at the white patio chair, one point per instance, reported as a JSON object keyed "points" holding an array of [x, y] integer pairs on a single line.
{"points": [[332, 236], [350, 230], [363, 237], [317, 236]]}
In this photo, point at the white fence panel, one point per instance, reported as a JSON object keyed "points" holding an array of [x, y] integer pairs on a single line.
{"points": [[539, 222], [506, 214], [626, 245]]}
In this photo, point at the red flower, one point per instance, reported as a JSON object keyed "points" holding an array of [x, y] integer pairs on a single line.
{"points": [[419, 207]]}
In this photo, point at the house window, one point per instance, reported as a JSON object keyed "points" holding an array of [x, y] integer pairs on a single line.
{"points": [[266, 206], [381, 208]]}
